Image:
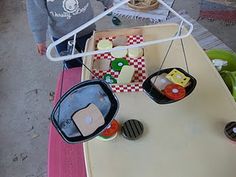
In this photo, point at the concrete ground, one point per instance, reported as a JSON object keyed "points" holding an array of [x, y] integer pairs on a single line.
{"points": [[28, 81]]}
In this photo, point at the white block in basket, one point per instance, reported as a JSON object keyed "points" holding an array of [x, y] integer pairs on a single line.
{"points": [[125, 75]]}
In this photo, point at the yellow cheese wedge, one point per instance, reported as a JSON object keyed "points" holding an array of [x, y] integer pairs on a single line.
{"points": [[178, 78], [119, 53], [125, 75], [104, 44], [135, 52]]}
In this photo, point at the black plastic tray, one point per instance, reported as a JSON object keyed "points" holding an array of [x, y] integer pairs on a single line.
{"points": [[79, 97], [156, 95]]}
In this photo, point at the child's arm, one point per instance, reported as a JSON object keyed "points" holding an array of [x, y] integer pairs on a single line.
{"points": [[38, 22], [107, 3]]}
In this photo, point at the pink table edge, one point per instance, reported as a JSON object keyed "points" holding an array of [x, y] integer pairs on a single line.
{"points": [[65, 160]]}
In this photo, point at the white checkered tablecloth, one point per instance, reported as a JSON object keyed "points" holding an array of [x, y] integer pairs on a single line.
{"points": [[138, 63]]}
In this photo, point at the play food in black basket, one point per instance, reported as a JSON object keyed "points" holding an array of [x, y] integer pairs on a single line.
{"points": [[157, 95], [79, 97]]}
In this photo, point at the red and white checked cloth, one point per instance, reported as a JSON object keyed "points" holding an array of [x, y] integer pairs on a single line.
{"points": [[138, 63]]}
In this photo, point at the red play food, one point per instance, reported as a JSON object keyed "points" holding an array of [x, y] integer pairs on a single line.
{"points": [[111, 130], [174, 92]]}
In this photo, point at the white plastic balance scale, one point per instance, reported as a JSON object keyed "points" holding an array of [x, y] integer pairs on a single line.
{"points": [[73, 33]]}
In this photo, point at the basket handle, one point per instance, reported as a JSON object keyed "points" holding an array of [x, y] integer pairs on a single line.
{"points": [[74, 32]]}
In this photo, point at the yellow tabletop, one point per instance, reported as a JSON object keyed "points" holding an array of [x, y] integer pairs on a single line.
{"points": [[182, 139]]}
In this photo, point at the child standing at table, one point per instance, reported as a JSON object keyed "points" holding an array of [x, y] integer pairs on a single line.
{"points": [[61, 17]]}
